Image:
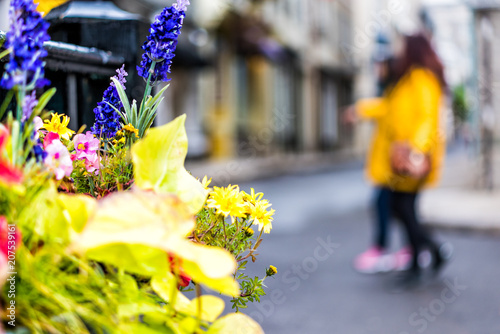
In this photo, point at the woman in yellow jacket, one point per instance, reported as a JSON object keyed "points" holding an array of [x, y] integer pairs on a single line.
{"points": [[409, 114]]}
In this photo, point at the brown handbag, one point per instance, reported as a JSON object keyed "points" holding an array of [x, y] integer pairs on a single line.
{"points": [[407, 162]]}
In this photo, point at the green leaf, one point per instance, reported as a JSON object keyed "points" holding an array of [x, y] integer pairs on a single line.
{"points": [[235, 323], [6, 102], [148, 122], [44, 100], [123, 97], [4, 53], [159, 164], [156, 99], [122, 115], [133, 115]]}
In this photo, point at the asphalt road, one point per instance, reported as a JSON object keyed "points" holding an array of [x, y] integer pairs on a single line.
{"points": [[322, 223]]}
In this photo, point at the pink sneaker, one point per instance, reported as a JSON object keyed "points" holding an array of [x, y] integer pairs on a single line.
{"points": [[371, 261], [402, 259]]}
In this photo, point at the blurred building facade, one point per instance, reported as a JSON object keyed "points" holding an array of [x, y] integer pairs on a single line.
{"points": [[276, 79], [256, 77], [486, 84]]}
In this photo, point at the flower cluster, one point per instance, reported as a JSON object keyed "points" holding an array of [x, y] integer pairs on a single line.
{"points": [[161, 43], [230, 201], [107, 120], [236, 234], [27, 33], [58, 159]]}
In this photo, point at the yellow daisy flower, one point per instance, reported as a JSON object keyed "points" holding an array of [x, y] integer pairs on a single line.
{"points": [[261, 216], [57, 126], [253, 197], [227, 201]]}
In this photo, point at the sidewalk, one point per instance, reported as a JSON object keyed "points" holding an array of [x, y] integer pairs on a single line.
{"points": [[457, 202]]}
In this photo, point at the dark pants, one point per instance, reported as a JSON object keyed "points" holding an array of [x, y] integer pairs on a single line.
{"points": [[403, 206], [382, 205]]}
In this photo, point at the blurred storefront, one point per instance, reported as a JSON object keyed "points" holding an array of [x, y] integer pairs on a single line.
{"points": [[280, 78]]}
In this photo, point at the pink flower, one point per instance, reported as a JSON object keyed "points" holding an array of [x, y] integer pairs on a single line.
{"points": [[58, 159], [86, 145], [92, 163], [49, 138]]}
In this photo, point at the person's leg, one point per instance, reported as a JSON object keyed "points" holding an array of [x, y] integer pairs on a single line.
{"points": [[403, 205], [382, 216], [370, 261]]}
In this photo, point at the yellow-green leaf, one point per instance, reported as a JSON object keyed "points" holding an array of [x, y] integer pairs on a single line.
{"points": [[137, 328], [188, 325], [163, 286], [138, 217], [159, 164], [77, 209], [211, 307], [135, 231], [45, 217], [135, 309], [210, 266], [235, 323]]}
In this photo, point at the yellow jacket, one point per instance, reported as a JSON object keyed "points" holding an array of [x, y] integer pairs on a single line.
{"points": [[410, 113]]}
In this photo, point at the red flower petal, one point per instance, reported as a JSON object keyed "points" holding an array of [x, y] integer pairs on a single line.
{"points": [[9, 174]]}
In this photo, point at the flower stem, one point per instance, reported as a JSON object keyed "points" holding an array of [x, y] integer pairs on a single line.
{"points": [[148, 89]]}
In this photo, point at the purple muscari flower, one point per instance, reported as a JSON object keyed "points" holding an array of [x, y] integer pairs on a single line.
{"points": [[107, 120], [162, 41], [29, 104], [27, 33]]}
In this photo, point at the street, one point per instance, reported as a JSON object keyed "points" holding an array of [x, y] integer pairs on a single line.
{"points": [[322, 222]]}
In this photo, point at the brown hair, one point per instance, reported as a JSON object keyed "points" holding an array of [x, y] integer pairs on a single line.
{"points": [[418, 52]]}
